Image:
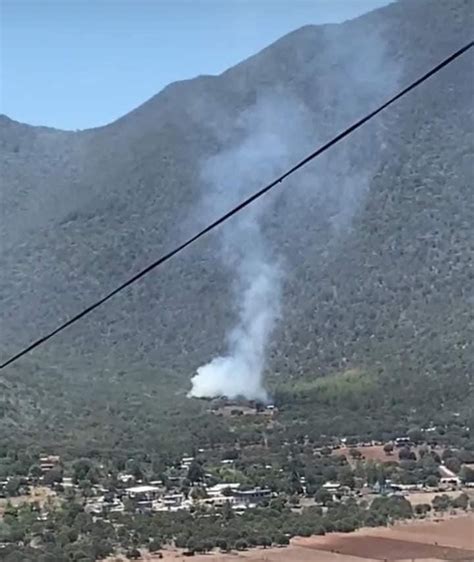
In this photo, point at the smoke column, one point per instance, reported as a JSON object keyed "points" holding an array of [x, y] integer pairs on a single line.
{"points": [[233, 174], [264, 141]]}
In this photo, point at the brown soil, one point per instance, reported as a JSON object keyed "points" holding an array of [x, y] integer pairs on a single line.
{"points": [[40, 494], [384, 548], [374, 452], [448, 539]]}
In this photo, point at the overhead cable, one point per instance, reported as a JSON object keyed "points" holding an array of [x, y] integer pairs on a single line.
{"points": [[238, 208]]}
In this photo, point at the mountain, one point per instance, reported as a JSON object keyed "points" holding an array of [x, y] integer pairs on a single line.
{"points": [[375, 238]]}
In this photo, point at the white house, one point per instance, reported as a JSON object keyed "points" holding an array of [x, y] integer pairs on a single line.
{"points": [[143, 493]]}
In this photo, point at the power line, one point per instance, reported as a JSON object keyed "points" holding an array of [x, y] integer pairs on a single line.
{"points": [[238, 208]]}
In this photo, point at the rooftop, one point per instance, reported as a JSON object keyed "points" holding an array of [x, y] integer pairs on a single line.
{"points": [[141, 489]]}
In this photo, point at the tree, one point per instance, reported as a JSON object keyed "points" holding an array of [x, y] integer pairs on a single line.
{"points": [[241, 544], [422, 509], [80, 469], [467, 474], [129, 505], [441, 503], [204, 546], [462, 501], [195, 472], [453, 464], [405, 453], [231, 454], [264, 541], [432, 481], [388, 448], [319, 530], [344, 526], [35, 471], [355, 453], [323, 496], [227, 512], [346, 477], [423, 451], [12, 487], [191, 545], [222, 544], [52, 476], [282, 540], [181, 540], [294, 500], [416, 435], [155, 545]]}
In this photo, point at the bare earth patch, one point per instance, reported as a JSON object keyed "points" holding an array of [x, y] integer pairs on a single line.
{"points": [[39, 494], [449, 539], [373, 453], [416, 498]]}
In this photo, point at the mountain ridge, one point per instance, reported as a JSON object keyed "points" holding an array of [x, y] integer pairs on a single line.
{"points": [[365, 259]]}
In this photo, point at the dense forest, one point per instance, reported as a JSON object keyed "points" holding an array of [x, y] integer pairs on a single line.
{"points": [[376, 247]]}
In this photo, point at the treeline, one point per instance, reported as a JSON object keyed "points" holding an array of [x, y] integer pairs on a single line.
{"points": [[71, 534]]}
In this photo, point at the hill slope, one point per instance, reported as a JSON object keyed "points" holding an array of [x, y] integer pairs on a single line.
{"points": [[375, 239]]}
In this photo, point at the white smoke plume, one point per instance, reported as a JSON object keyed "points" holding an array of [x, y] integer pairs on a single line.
{"points": [[233, 174], [273, 134]]}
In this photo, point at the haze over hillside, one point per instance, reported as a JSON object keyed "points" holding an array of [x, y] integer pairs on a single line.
{"points": [[375, 240]]}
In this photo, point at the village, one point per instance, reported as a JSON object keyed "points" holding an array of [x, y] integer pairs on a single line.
{"points": [[232, 498], [188, 487]]}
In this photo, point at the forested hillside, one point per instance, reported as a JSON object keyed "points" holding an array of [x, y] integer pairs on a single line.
{"points": [[375, 239]]}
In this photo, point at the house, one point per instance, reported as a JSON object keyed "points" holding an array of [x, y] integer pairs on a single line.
{"points": [[331, 486], [174, 480], [186, 462], [172, 502], [402, 441], [406, 487], [252, 497], [144, 506], [48, 462], [218, 489], [218, 501], [126, 478], [450, 482], [143, 493]]}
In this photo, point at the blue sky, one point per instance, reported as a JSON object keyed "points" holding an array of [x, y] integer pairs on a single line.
{"points": [[75, 64]]}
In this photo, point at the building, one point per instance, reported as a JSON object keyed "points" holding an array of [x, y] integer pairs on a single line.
{"points": [[450, 483], [126, 478], [48, 462], [219, 489], [67, 482], [218, 501], [331, 486], [251, 498], [172, 502], [402, 442], [143, 493]]}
